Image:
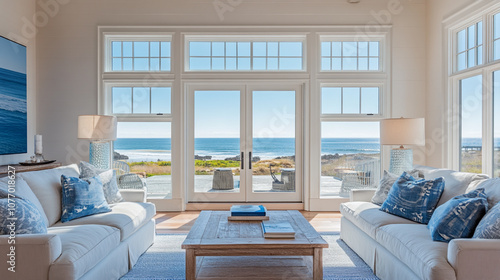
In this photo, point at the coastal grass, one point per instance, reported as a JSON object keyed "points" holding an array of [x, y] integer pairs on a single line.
{"points": [[207, 167]]}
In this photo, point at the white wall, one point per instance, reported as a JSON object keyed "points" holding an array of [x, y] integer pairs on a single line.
{"points": [[436, 119], [67, 49], [12, 26]]}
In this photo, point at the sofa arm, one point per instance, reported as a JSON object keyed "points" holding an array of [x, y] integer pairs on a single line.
{"points": [[32, 257], [362, 195], [475, 258], [134, 195]]}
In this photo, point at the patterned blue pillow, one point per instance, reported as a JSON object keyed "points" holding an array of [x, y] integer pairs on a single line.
{"points": [[82, 198], [19, 216], [458, 217], [413, 199], [489, 226]]}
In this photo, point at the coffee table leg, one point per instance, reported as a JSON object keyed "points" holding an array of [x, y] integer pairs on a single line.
{"points": [[318, 264], [190, 264]]}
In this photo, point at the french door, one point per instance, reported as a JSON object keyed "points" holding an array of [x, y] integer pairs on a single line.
{"points": [[244, 142]]}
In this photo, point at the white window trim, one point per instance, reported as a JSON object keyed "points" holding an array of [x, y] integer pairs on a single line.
{"points": [[267, 37], [384, 53], [471, 14], [311, 76]]}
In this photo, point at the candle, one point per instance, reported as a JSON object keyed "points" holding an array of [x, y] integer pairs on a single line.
{"points": [[38, 144]]}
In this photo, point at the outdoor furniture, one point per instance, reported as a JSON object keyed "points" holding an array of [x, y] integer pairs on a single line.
{"points": [[363, 176], [130, 181], [223, 179], [287, 182]]}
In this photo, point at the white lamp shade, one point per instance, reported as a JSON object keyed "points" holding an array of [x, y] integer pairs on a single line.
{"points": [[96, 127], [402, 131]]}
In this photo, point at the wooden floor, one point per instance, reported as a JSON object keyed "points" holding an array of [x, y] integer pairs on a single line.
{"points": [[246, 268], [181, 222]]}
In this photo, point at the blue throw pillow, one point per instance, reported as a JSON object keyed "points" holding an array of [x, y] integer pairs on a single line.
{"points": [[458, 217], [82, 198], [489, 226], [413, 199], [19, 216]]}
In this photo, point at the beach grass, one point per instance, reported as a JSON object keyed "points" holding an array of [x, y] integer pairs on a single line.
{"points": [[207, 167]]}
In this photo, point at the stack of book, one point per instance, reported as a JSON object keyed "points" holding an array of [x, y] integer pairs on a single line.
{"points": [[248, 213], [280, 229]]}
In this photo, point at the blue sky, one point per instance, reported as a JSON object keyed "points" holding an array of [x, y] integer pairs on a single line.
{"points": [[471, 92], [12, 56]]}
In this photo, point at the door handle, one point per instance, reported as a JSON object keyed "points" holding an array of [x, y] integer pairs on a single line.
{"points": [[249, 160], [242, 160]]}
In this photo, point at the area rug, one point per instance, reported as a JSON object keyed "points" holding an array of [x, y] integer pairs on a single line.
{"points": [[165, 261]]}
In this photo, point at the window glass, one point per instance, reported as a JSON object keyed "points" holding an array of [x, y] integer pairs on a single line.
{"points": [[350, 100], [141, 100], [142, 56], [350, 157], [350, 56], [245, 56], [471, 124], [145, 148], [469, 46]]}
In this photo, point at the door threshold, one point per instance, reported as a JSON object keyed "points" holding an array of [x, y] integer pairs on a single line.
{"points": [[225, 206]]}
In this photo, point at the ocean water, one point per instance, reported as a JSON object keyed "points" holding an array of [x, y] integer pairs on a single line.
{"points": [[140, 149], [13, 112]]}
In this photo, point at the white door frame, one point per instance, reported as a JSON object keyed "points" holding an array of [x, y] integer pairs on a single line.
{"points": [[246, 93]]}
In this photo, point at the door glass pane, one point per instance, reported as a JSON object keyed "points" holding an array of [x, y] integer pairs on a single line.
{"points": [[217, 141], [471, 124], [273, 159], [145, 149], [496, 123], [350, 157]]}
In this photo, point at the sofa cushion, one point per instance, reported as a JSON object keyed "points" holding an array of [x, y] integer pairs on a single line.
{"points": [[46, 185], [386, 183], [458, 217], [23, 191], [368, 217], [128, 217], [489, 226], [414, 199], [491, 188], [108, 178], [83, 247], [82, 198], [456, 183], [19, 216], [412, 245]]}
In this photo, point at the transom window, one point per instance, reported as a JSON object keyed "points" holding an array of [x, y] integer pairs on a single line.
{"points": [[258, 55], [143, 56], [141, 100], [350, 56], [470, 46], [350, 100]]}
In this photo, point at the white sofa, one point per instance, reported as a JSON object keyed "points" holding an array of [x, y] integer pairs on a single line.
{"points": [[396, 248], [103, 246]]}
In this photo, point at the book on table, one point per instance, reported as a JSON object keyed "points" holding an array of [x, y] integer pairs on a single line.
{"points": [[248, 213], [280, 229]]}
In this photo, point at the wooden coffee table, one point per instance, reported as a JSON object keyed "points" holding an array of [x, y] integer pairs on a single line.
{"points": [[213, 235]]}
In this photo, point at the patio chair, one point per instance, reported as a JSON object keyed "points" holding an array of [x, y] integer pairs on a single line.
{"points": [[132, 186]]}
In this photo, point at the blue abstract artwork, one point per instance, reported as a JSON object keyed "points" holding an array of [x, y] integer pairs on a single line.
{"points": [[13, 98]]}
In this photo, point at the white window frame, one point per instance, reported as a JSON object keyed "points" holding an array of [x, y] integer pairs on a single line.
{"points": [[468, 16], [311, 76], [110, 37], [214, 37], [381, 38]]}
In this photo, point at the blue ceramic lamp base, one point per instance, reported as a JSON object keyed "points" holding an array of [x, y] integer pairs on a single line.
{"points": [[100, 154], [401, 160]]}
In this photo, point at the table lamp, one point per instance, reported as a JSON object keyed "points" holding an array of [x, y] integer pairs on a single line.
{"points": [[402, 131], [100, 130]]}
